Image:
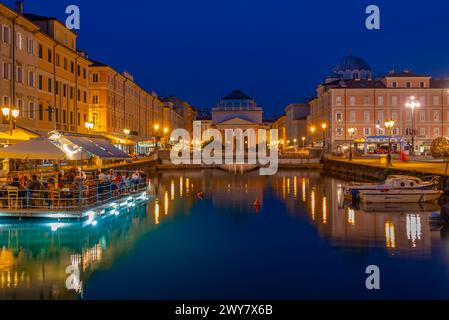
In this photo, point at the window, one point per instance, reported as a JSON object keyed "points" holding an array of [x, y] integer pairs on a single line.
{"points": [[19, 41], [41, 82], [380, 116], [5, 100], [79, 95], [422, 84], [49, 84], [56, 87], [394, 101], [339, 116], [79, 118], [408, 115], [85, 97], [6, 35], [71, 92], [72, 67], [366, 100], [57, 60], [84, 73], [380, 132], [422, 100], [6, 71], [20, 106], [352, 101], [30, 48], [380, 100], [422, 116], [78, 70], [19, 74], [339, 131], [49, 114], [56, 115], [367, 131], [352, 116], [65, 63], [41, 51], [64, 116], [95, 79], [31, 78], [436, 131], [95, 99], [366, 116], [64, 90], [49, 52], [71, 117], [422, 131], [436, 100], [41, 112], [395, 131], [31, 109], [408, 131], [436, 116], [408, 84], [395, 84]]}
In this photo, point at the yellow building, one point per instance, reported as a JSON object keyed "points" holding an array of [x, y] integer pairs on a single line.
{"points": [[121, 110], [62, 77], [17, 67]]}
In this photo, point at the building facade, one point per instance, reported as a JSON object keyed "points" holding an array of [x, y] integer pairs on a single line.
{"points": [[366, 104]]}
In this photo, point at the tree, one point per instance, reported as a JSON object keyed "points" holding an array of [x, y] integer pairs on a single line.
{"points": [[440, 148]]}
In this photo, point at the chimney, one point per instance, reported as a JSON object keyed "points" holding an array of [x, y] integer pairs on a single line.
{"points": [[19, 7]]}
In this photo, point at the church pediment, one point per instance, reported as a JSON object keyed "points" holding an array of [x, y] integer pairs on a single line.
{"points": [[236, 121]]}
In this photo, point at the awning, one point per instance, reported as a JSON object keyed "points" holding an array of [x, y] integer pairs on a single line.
{"points": [[119, 140], [98, 147], [18, 134], [36, 149]]}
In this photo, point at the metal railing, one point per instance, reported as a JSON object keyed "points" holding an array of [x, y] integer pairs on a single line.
{"points": [[71, 196]]}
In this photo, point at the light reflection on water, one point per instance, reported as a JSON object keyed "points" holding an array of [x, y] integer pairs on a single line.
{"points": [[34, 255]]}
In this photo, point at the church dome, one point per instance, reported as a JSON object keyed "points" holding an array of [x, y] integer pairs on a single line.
{"points": [[352, 67]]}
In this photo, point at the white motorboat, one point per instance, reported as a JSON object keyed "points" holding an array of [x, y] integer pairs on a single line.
{"points": [[394, 182], [399, 196]]}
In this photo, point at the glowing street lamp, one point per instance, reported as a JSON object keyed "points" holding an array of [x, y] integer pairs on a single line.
{"points": [[389, 125], [304, 142], [351, 132], [11, 116], [126, 132], [412, 104], [324, 127], [312, 130], [89, 126]]}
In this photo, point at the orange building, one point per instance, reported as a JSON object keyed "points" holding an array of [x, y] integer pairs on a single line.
{"points": [[351, 99]]}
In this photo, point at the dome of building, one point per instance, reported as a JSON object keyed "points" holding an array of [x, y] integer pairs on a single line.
{"points": [[353, 68], [237, 95]]}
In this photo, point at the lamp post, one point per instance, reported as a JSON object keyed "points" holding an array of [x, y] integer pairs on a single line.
{"points": [[156, 128], [312, 130], [324, 127], [11, 115], [412, 104], [165, 136], [89, 126], [389, 126], [303, 142], [351, 132], [296, 145]]}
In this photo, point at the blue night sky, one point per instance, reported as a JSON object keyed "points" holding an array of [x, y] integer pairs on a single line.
{"points": [[277, 50]]}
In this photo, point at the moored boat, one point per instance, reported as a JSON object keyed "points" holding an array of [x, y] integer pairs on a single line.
{"points": [[393, 182], [399, 196]]}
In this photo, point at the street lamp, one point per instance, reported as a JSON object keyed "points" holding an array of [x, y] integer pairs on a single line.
{"points": [[324, 127], [303, 142], [127, 132], [89, 126], [351, 132], [312, 130], [412, 104], [389, 126], [11, 116], [295, 142]]}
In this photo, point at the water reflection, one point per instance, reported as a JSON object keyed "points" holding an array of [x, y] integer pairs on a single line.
{"points": [[34, 255]]}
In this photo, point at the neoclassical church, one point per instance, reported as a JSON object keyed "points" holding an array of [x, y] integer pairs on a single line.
{"points": [[237, 110]]}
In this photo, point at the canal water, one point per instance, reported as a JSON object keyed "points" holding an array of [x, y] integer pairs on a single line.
{"points": [[299, 244]]}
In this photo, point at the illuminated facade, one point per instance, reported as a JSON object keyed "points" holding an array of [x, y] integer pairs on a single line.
{"points": [[365, 104]]}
